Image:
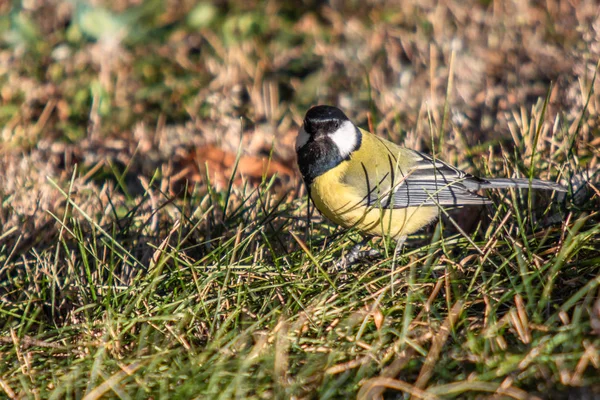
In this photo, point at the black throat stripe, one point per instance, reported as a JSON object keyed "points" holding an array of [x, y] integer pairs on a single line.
{"points": [[319, 156]]}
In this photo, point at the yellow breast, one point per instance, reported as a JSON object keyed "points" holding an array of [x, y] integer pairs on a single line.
{"points": [[340, 195]]}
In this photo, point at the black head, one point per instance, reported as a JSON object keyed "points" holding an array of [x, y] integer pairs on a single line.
{"points": [[324, 120], [326, 139]]}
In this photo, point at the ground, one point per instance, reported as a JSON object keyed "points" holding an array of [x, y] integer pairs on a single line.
{"points": [[154, 231]]}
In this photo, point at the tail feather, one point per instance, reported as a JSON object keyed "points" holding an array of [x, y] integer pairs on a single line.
{"points": [[503, 183]]}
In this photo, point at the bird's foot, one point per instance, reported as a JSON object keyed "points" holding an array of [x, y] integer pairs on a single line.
{"points": [[354, 256]]}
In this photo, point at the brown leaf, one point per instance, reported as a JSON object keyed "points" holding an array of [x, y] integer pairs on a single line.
{"points": [[378, 318], [218, 165]]}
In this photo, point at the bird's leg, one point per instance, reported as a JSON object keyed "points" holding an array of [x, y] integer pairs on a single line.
{"points": [[355, 254], [399, 244]]}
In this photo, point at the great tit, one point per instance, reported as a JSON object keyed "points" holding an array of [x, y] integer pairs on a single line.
{"points": [[357, 179]]}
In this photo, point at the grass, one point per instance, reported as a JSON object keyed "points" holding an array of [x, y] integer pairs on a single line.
{"points": [[134, 265]]}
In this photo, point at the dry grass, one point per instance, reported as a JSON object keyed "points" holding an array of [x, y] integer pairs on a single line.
{"points": [[128, 268]]}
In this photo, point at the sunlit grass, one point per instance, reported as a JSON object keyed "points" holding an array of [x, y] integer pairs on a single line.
{"points": [[123, 277]]}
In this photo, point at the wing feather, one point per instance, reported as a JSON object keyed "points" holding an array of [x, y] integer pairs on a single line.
{"points": [[428, 182]]}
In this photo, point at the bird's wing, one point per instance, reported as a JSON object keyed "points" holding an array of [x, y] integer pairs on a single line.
{"points": [[429, 182]]}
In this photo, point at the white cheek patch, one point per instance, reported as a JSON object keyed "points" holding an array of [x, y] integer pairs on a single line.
{"points": [[345, 138], [302, 138]]}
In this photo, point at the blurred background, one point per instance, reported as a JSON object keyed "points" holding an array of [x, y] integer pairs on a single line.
{"points": [[130, 90], [131, 262]]}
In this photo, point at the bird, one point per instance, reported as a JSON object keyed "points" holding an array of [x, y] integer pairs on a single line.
{"points": [[357, 179]]}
